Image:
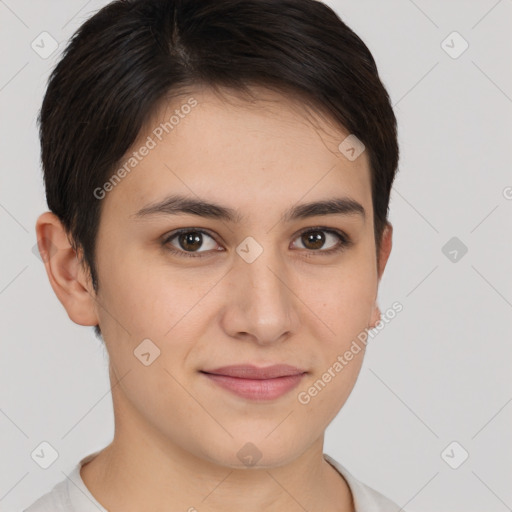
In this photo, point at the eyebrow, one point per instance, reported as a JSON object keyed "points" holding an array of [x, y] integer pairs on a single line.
{"points": [[177, 204]]}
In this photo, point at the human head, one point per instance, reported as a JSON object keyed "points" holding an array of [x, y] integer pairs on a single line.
{"points": [[131, 55], [127, 70]]}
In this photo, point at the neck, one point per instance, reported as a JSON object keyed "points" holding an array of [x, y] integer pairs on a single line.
{"points": [[129, 477]]}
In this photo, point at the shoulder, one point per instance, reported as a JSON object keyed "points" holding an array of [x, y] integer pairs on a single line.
{"points": [[366, 499], [68, 495], [56, 500]]}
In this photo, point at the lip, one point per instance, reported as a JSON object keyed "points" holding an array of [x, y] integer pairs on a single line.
{"points": [[253, 383], [249, 371]]}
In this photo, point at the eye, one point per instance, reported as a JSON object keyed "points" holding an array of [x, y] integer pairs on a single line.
{"points": [[188, 241], [315, 238]]}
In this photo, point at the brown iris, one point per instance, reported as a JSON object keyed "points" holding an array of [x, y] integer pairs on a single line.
{"points": [[315, 238], [191, 240]]}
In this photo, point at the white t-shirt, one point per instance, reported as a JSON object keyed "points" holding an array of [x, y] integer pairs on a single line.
{"points": [[71, 495]]}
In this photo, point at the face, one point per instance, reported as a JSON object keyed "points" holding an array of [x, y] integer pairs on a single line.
{"points": [[262, 288]]}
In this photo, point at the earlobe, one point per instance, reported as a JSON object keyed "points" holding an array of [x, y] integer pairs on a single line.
{"points": [[66, 274]]}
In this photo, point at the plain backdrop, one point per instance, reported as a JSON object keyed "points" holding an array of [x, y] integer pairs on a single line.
{"points": [[435, 385]]}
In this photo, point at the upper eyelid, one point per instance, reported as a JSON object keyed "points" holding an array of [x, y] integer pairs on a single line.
{"points": [[178, 232]]}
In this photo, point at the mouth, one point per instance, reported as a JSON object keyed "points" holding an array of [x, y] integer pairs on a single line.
{"points": [[253, 383]]}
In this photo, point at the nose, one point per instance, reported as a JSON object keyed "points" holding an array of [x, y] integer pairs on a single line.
{"points": [[262, 305]]}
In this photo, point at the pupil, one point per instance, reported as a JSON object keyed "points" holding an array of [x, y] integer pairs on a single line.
{"points": [[189, 239], [316, 238]]}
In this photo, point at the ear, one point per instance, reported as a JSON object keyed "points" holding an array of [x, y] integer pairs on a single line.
{"points": [[384, 252], [68, 277]]}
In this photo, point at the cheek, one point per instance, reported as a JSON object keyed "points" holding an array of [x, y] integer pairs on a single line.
{"points": [[344, 296], [344, 303], [143, 296]]}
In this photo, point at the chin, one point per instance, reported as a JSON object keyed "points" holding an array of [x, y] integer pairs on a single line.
{"points": [[254, 452]]}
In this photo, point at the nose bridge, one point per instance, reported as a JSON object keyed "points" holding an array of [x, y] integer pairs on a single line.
{"points": [[263, 276], [260, 268], [263, 300]]}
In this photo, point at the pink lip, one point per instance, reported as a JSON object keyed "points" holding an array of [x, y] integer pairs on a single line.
{"points": [[255, 383]]}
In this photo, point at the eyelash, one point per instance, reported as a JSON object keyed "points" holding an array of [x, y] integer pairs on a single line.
{"points": [[344, 242]]}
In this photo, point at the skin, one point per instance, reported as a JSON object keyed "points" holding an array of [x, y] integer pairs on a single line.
{"points": [[177, 434]]}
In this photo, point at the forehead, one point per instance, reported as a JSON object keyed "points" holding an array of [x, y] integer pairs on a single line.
{"points": [[239, 152]]}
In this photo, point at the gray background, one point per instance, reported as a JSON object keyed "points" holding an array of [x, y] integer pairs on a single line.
{"points": [[438, 373]]}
